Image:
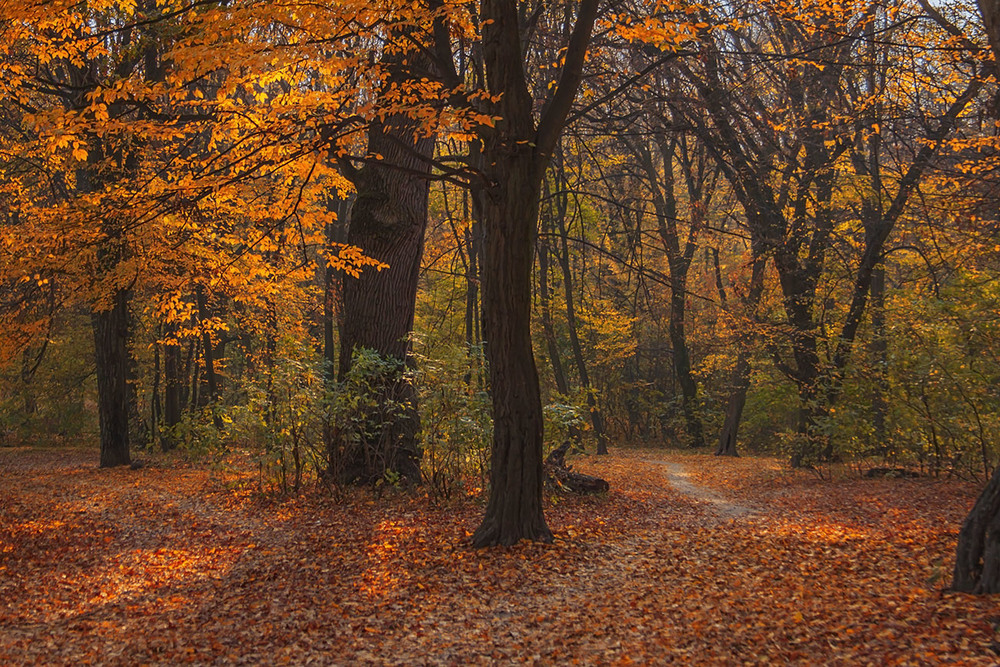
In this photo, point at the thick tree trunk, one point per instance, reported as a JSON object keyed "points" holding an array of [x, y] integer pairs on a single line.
{"points": [[388, 221], [509, 212], [977, 558], [111, 357], [513, 160]]}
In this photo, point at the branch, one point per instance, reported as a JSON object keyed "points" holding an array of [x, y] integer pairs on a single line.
{"points": [[557, 109]]}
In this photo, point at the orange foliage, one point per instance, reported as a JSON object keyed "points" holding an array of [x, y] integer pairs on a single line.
{"points": [[168, 564]]}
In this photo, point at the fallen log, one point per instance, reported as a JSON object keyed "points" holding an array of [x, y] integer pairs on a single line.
{"points": [[562, 476], [890, 473]]}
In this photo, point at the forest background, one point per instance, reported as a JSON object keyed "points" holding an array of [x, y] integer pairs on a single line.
{"points": [[321, 234]]}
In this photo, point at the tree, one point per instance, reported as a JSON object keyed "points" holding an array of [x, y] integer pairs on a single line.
{"points": [[513, 156], [388, 219], [785, 167]]}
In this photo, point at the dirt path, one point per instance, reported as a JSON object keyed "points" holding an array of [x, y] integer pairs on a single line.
{"points": [[679, 478]]}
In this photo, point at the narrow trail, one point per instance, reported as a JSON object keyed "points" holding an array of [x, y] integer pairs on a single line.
{"points": [[679, 478]]}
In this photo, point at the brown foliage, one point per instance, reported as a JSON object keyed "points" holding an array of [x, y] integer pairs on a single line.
{"points": [[168, 564]]}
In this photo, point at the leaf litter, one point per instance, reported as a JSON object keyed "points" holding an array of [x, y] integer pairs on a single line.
{"points": [[172, 564]]}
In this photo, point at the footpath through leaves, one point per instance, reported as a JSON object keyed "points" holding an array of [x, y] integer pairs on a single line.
{"points": [[168, 564]]}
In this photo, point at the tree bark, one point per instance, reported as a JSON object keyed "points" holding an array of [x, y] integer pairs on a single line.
{"points": [[508, 212], [111, 356], [734, 407], [388, 221], [977, 558], [514, 157]]}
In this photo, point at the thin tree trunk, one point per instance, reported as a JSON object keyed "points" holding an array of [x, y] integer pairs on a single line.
{"points": [[548, 328], [740, 383], [596, 417], [211, 397], [155, 405], [880, 354], [173, 390]]}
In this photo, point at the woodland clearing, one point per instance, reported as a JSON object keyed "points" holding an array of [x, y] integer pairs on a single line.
{"points": [[179, 563]]}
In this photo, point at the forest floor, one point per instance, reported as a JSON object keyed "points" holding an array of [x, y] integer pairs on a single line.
{"points": [[688, 559]]}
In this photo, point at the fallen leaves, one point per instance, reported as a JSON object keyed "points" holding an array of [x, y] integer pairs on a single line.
{"points": [[165, 565]]}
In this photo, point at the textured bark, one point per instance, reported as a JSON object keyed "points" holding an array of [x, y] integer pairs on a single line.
{"points": [[514, 157], [508, 213], [388, 221], [111, 356], [977, 558]]}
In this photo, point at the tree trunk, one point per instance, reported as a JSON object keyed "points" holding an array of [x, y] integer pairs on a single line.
{"points": [[514, 158], [509, 212], [548, 327], [989, 10], [682, 363], [174, 384], [548, 330], [734, 407], [138, 432], [596, 417], [211, 396], [977, 558], [155, 405], [388, 221], [741, 374], [111, 357], [335, 233]]}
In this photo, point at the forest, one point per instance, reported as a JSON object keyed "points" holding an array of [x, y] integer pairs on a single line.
{"points": [[483, 331]]}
